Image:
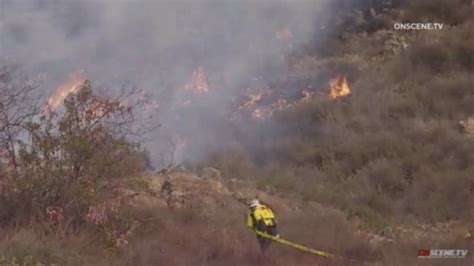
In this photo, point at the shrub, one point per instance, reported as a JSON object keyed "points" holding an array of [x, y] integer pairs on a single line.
{"points": [[452, 12], [233, 164], [77, 167], [443, 51], [27, 247]]}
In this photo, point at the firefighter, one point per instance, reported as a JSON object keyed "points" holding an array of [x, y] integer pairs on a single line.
{"points": [[262, 219]]}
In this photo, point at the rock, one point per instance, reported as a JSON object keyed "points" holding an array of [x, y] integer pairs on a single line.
{"points": [[466, 126], [166, 188], [213, 177], [210, 173], [395, 43], [181, 188]]}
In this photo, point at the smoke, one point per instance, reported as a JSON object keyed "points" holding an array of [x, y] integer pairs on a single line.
{"points": [[156, 45]]}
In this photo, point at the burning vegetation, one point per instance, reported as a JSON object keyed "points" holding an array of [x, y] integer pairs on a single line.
{"points": [[253, 97], [256, 104], [69, 181], [198, 83], [262, 103], [71, 86], [338, 87], [307, 95], [284, 34]]}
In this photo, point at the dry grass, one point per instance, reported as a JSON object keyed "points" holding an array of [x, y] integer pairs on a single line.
{"points": [[388, 154], [391, 151]]}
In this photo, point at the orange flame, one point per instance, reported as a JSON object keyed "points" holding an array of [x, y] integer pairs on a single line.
{"points": [[338, 87], [254, 96], [71, 86], [198, 82], [253, 99], [283, 34]]}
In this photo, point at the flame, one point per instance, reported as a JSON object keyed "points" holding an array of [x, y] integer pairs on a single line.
{"points": [[307, 95], [338, 87], [254, 96], [283, 34], [253, 99], [198, 82], [257, 114], [71, 86], [261, 103]]}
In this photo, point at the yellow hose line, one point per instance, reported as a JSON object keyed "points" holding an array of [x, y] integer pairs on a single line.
{"points": [[295, 245]]}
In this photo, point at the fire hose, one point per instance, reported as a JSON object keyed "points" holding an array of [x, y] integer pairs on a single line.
{"points": [[294, 245]]}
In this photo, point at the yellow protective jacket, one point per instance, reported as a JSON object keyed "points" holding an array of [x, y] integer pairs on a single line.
{"points": [[261, 212]]}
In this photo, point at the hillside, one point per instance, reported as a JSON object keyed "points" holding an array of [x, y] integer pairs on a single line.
{"points": [[361, 138]]}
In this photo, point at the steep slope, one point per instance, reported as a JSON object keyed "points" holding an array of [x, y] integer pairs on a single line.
{"points": [[199, 220], [202, 222]]}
